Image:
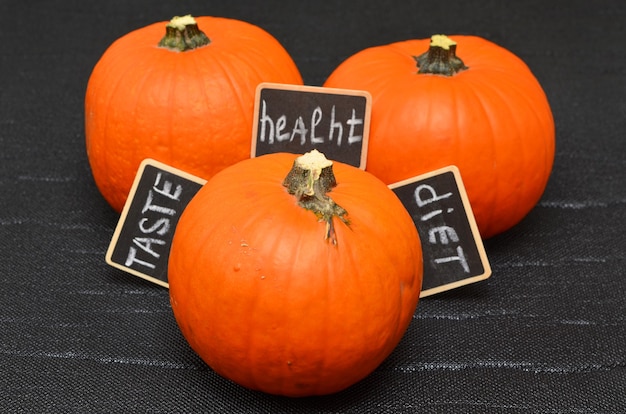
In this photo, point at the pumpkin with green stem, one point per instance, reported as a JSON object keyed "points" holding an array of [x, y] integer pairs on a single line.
{"points": [[294, 275], [458, 100], [181, 93]]}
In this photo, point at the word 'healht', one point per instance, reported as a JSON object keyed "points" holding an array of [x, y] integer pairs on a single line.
{"points": [[314, 129]]}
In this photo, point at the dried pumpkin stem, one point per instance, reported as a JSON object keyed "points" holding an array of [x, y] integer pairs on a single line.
{"points": [[182, 34], [441, 58], [309, 179]]}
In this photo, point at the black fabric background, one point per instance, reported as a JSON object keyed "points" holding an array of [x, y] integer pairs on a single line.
{"points": [[546, 333]]}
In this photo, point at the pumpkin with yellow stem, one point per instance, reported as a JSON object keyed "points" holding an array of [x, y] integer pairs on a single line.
{"points": [[480, 109], [294, 275], [181, 93]]}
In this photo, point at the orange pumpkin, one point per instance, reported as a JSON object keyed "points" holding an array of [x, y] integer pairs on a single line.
{"points": [[185, 98], [284, 287], [482, 111]]}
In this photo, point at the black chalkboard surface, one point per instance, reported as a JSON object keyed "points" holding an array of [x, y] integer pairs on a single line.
{"points": [[298, 119], [452, 248], [451, 245], [143, 236]]}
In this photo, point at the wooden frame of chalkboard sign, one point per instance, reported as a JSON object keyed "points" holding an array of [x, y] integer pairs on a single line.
{"points": [[143, 236], [452, 248], [298, 119]]}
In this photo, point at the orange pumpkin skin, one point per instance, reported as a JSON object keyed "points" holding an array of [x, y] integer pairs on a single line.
{"points": [[492, 120], [192, 110], [268, 303]]}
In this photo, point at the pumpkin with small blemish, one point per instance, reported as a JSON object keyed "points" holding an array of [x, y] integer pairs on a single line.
{"points": [[294, 275], [458, 100], [181, 93]]}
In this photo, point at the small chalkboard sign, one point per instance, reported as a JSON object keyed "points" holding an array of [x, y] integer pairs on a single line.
{"points": [[143, 236], [452, 248], [298, 119]]}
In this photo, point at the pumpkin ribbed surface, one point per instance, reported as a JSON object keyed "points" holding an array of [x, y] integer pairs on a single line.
{"points": [[491, 119], [266, 301], [192, 110]]}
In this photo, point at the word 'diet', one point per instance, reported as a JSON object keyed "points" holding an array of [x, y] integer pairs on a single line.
{"points": [[451, 245]]}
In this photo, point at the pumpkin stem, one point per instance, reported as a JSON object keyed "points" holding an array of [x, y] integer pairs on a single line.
{"points": [[309, 179], [441, 58], [182, 34]]}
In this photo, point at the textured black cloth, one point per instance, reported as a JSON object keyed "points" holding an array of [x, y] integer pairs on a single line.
{"points": [[546, 333]]}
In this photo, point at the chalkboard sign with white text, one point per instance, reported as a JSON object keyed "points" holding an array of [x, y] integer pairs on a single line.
{"points": [[298, 119], [452, 248], [143, 236]]}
